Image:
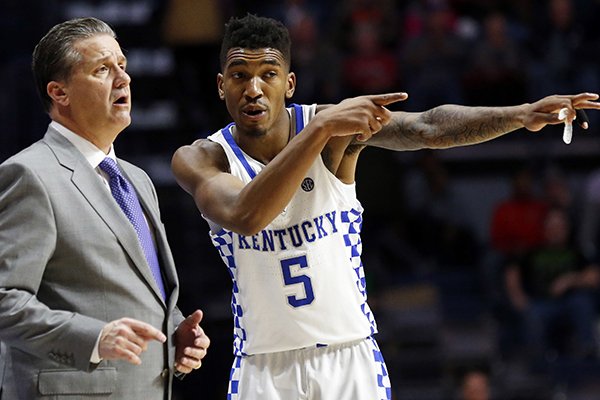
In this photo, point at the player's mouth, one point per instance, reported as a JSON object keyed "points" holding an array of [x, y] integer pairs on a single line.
{"points": [[254, 113]]}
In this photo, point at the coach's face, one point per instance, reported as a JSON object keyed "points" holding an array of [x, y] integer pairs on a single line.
{"points": [[95, 101], [255, 84]]}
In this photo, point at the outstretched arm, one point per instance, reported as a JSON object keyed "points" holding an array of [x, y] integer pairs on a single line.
{"points": [[201, 168], [453, 125]]}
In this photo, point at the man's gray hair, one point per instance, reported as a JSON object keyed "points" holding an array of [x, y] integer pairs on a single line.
{"points": [[55, 55]]}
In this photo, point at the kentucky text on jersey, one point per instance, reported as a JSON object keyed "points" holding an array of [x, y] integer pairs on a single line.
{"points": [[292, 236]]}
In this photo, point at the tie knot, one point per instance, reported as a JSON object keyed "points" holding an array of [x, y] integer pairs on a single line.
{"points": [[109, 166]]}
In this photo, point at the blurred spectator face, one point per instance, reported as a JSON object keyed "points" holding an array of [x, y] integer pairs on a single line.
{"points": [[304, 31], [523, 184], [561, 13], [495, 28], [366, 38], [475, 386], [439, 17], [556, 228], [438, 21], [558, 193]]}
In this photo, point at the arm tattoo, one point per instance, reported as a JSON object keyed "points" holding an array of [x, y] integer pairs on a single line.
{"points": [[457, 125], [332, 163], [354, 147], [446, 126], [326, 157]]}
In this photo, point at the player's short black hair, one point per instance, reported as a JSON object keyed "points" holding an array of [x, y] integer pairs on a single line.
{"points": [[253, 32]]}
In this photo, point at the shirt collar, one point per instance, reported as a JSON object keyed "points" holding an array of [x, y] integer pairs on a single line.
{"points": [[92, 154]]}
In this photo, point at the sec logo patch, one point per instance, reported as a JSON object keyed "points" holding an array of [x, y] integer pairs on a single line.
{"points": [[307, 184]]}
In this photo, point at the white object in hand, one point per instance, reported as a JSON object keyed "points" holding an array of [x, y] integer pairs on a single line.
{"points": [[568, 131]]}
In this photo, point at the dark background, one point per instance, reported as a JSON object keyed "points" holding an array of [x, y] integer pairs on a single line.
{"points": [[436, 299]]}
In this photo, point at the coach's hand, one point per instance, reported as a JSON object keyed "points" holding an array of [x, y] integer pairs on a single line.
{"points": [[191, 343], [126, 338]]}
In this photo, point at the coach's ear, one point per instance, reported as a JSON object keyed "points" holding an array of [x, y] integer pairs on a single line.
{"points": [[58, 93], [291, 85]]}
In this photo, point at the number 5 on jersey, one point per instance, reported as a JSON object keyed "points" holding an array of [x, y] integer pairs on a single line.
{"points": [[289, 279]]}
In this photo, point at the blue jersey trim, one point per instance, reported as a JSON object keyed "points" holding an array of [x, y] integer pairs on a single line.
{"points": [[238, 152], [299, 117], [236, 149]]}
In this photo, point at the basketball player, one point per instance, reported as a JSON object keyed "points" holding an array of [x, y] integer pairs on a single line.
{"points": [[277, 189]]}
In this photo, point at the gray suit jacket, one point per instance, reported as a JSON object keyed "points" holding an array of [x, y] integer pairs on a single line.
{"points": [[70, 262]]}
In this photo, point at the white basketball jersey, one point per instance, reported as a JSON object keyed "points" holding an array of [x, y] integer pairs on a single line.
{"points": [[299, 282]]}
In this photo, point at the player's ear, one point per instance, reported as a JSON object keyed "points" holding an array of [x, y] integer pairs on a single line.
{"points": [[220, 86], [291, 85]]}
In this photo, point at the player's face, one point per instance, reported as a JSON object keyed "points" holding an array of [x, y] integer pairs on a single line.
{"points": [[255, 84]]}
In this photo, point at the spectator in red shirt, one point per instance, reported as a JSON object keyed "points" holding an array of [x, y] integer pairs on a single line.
{"points": [[518, 221]]}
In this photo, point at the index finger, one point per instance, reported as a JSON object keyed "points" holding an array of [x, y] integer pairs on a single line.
{"points": [[583, 97], [388, 98], [147, 331], [585, 100]]}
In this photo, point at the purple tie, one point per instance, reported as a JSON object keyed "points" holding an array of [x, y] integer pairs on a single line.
{"points": [[125, 196]]}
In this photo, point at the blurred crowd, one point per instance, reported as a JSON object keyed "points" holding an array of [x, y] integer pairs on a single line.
{"points": [[492, 52], [531, 273]]}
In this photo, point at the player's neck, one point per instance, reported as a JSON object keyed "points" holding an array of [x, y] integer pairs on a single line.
{"points": [[264, 147]]}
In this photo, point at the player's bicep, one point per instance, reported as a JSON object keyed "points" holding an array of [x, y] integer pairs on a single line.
{"points": [[193, 164], [202, 170], [217, 197]]}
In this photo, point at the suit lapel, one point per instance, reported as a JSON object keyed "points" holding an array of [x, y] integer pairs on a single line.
{"points": [[92, 189]]}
